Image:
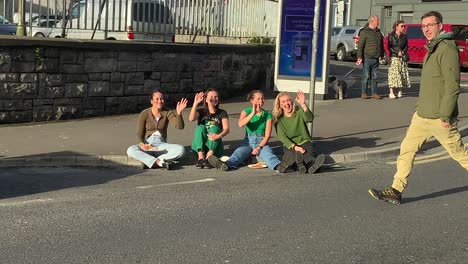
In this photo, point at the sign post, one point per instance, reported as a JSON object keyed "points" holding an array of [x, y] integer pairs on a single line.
{"points": [[313, 63]]}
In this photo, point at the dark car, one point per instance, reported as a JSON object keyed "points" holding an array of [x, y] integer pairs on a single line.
{"points": [[7, 28]]}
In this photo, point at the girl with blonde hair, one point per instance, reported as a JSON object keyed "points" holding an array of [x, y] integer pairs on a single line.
{"points": [[291, 128]]}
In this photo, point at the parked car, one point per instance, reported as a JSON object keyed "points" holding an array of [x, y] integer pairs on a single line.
{"points": [[343, 42], [6, 27], [135, 20], [417, 40], [41, 26]]}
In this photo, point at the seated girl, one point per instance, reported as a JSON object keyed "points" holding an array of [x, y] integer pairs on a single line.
{"points": [[258, 126], [290, 122], [213, 125], [151, 148]]}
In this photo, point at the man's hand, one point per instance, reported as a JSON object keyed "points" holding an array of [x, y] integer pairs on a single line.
{"points": [[445, 124], [359, 61]]}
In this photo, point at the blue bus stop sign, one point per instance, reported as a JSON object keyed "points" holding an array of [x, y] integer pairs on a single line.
{"points": [[296, 33]]}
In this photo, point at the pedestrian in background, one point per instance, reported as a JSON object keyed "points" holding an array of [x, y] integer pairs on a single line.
{"points": [[436, 110], [152, 148], [258, 125], [398, 77], [291, 128], [370, 50], [213, 125]]}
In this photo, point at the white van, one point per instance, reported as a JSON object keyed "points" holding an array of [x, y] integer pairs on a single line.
{"points": [[139, 20]]}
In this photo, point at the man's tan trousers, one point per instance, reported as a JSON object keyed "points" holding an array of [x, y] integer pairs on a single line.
{"points": [[419, 131]]}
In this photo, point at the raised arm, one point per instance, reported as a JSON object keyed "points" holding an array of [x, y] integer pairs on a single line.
{"points": [[197, 100]]}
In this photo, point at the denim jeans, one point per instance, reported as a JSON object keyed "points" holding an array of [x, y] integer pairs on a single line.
{"points": [[165, 151], [244, 152], [370, 73]]}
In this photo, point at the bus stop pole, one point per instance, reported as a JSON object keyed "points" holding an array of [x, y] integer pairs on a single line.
{"points": [[20, 28], [313, 62]]}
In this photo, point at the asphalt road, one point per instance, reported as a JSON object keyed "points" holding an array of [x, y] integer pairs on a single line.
{"points": [[77, 215]]}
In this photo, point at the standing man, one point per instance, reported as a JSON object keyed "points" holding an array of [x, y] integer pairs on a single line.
{"points": [[370, 50], [436, 109]]}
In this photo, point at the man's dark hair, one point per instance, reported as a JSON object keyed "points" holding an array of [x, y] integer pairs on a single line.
{"points": [[435, 14]]}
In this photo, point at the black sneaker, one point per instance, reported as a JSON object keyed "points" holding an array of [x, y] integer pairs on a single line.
{"points": [[200, 164], [207, 164], [300, 162], [168, 165], [217, 163], [282, 168], [389, 195], [319, 160]]}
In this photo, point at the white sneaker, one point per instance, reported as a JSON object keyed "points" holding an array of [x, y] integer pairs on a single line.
{"points": [[400, 94], [392, 96]]}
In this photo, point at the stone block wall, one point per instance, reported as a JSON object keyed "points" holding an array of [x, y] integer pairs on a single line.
{"points": [[53, 79]]}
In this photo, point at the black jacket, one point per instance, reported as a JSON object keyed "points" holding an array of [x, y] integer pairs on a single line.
{"points": [[396, 44]]}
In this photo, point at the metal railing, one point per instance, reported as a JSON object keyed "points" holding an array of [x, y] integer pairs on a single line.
{"points": [[224, 18]]}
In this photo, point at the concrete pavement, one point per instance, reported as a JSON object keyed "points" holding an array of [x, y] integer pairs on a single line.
{"points": [[347, 131]]}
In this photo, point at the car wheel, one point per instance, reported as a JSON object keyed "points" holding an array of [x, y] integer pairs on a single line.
{"points": [[341, 54], [39, 35]]}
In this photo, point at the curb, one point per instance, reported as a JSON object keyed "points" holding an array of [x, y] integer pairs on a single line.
{"points": [[125, 161]]}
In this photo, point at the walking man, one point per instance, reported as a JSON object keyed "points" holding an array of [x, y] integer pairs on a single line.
{"points": [[436, 109], [370, 50]]}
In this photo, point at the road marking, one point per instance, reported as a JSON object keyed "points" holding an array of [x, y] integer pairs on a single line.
{"points": [[4, 204], [443, 155], [176, 183]]}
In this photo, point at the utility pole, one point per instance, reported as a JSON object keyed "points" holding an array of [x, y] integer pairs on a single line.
{"points": [[313, 68], [20, 29]]}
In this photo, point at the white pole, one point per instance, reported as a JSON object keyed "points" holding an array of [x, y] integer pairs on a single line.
{"points": [[313, 61]]}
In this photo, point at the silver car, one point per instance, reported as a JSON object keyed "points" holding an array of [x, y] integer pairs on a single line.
{"points": [[343, 42]]}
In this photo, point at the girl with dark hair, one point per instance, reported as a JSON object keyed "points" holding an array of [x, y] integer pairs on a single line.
{"points": [[398, 76], [152, 148], [258, 125], [213, 125]]}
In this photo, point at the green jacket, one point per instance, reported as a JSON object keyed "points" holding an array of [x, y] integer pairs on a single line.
{"points": [[293, 130], [440, 80], [370, 43]]}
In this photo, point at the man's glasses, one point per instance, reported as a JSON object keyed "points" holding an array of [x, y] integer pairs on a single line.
{"points": [[429, 25]]}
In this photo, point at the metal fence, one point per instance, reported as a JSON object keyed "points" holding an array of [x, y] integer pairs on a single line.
{"points": [[224, 18]]}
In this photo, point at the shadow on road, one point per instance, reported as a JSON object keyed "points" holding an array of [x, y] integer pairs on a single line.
{"points": [[28, 181], [436, 194]]}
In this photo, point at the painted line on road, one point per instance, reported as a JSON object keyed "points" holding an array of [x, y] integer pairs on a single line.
{"points": [[175, 183], [4, 204]]}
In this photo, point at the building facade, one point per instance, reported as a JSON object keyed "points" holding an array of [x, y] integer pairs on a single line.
{"points": [[453, 11]]}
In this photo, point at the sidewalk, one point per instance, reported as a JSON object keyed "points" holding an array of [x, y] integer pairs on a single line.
{"points": [[347, 131]]}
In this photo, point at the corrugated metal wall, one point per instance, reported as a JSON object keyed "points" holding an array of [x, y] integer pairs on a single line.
{"points": [[230, 18]]}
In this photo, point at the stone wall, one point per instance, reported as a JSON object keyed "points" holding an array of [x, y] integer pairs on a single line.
{"points": [[53, 79]]}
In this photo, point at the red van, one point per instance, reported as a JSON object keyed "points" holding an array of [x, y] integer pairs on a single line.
{"points": [[417, 40]]}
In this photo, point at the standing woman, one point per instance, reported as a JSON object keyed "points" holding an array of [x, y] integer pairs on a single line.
{"points": [[290, 122], [213, 125], [258, 126], [152, 148], [398, 77]]}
